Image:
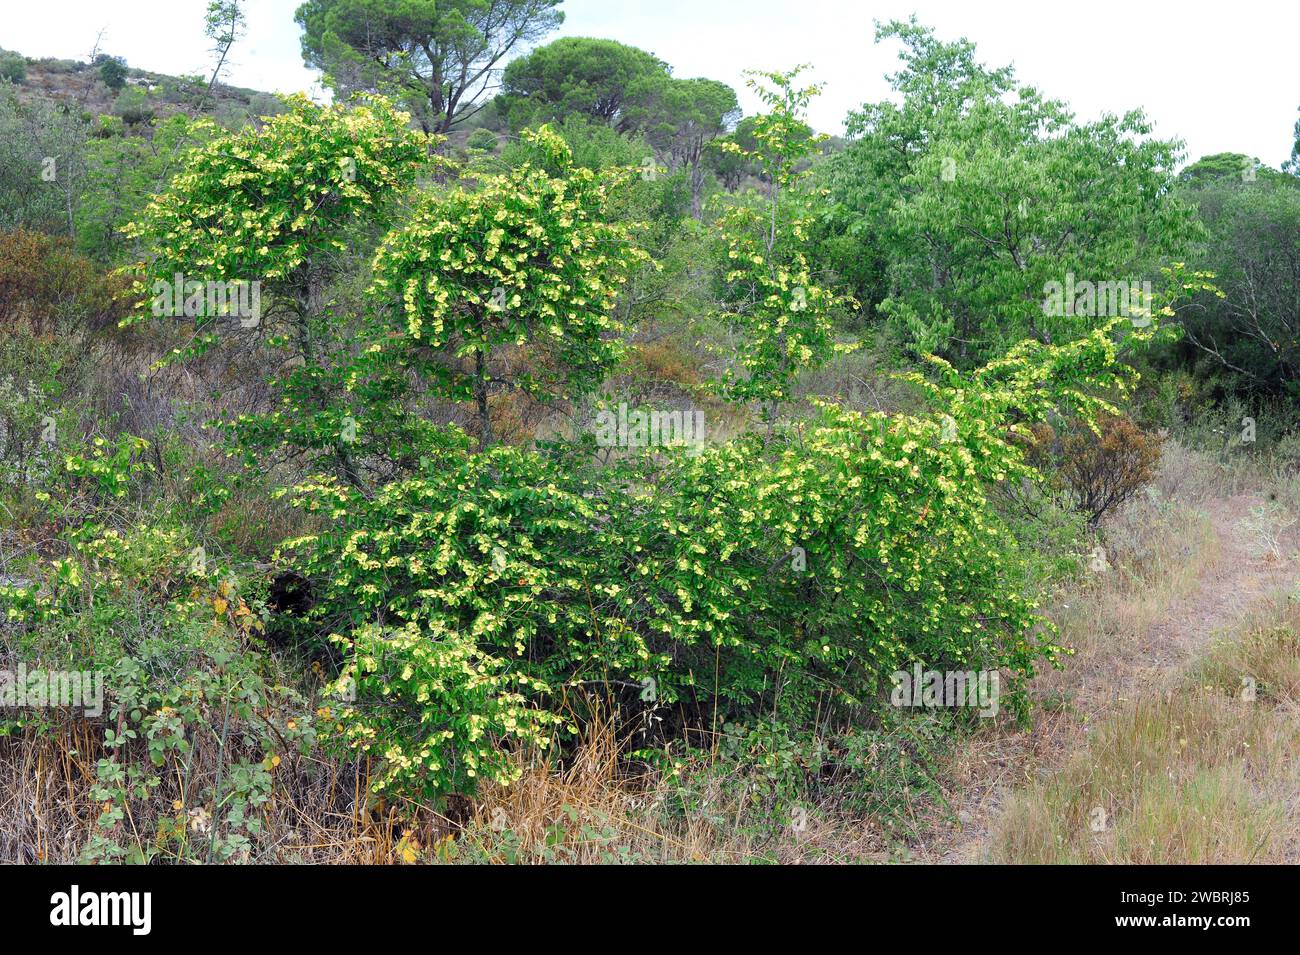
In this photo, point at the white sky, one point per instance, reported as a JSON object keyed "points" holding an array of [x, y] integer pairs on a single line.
{"points": [[1223, 77]]}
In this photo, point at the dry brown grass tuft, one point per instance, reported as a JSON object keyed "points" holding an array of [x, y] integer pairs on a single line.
{"points": [[590, 811], [318, 812]]}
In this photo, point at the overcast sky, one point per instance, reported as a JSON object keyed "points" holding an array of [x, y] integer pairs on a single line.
{"points": [[1223, 77]]}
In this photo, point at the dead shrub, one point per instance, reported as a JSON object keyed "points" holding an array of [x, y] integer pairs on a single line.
{"points": [[1100, 469]]}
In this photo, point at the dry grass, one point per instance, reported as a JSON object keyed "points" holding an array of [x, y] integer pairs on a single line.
{"points": [[586, 809], [318, 813], [591, 811], [1154, 555], [1182, 567], [1176, 766], [1196, 775]]}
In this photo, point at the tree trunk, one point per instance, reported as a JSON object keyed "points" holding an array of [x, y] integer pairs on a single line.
{"points": [[485, 437], [697, 189], [307, 298]]}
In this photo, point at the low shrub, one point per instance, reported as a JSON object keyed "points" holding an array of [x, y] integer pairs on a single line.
{"points": [[190, 714], [783, 576], [13, 67], [44, 285], [1103, 465]]}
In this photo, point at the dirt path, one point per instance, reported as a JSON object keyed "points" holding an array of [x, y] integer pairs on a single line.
{"points": [[1254, 561], [1250, 568]]}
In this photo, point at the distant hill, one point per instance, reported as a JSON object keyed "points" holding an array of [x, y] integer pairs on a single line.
{"points": [[78, 84], [154, 96]]}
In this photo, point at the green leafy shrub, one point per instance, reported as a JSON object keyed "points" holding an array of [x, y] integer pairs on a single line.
{"points": [[45, 286], [112, 71], [13, 67], [280, 205], [779, 576], [438, 709], [24, 417], [82, 478], [509, 287], [194, 718], [133, 107], [483, 140], [467, 570]]}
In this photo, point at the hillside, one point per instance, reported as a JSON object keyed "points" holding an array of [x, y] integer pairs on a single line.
{"points": [[78, 85]]}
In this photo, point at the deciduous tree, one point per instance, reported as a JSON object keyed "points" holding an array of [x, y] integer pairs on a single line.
{"points": [[963, 202], [509, 286], [286, 206]]}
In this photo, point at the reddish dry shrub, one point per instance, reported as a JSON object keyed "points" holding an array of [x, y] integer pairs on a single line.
{"points": [[42, 280], [664, 360], [1101, 469]]}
